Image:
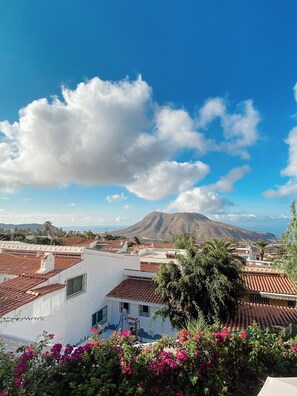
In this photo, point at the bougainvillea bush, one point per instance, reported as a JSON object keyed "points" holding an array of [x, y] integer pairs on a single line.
{"points": [[209, 362]]}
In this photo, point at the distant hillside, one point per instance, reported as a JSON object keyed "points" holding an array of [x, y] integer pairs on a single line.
{"points": [[32, 226], [164, 226]]}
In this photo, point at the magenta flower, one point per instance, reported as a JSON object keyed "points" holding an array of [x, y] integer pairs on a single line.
{"points": [[181, 356], [244, 334], [126, 333]]}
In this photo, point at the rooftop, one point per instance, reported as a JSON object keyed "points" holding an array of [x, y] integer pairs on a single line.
{"points": [[22, 265], [266, 316], [136, 290], [21, 246], [23, 288], [270, 283]]}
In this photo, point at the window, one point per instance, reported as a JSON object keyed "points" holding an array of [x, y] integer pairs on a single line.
{"points": [[144, 310], [100, 317], [124, 305], [256, 298], [291, 304], [76, 286]]}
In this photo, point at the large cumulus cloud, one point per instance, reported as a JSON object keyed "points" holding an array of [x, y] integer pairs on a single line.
{"points": [[105, 132]]}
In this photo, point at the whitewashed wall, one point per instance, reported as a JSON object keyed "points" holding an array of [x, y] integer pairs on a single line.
{"points": [[148, 324], [71, 320]]}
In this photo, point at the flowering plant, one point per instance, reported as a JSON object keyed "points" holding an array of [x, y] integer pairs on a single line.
{"points": [[212, 361]]}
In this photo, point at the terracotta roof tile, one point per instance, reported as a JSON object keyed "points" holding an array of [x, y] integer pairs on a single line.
{"points": [[13, 299], [21, 289], [20, 265], [266, 316], [136, 290], [78, 241], [270, 283]]}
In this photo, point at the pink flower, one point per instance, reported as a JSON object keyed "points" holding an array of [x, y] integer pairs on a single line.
{"points": [[181, 356], [244, 334], [94, 330], [183, 335], [126, 333], [225, 332], [180, 393]]}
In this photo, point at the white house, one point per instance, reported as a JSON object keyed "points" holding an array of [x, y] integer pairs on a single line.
{"points": [[59, 289], [137, 294]]}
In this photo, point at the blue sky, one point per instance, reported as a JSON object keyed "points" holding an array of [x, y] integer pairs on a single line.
{"points": [[111, 110]]}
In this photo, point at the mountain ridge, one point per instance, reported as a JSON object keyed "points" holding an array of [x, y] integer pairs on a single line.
{"points": [[164, 226]]}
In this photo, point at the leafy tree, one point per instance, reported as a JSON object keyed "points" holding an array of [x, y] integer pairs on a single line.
{"points": [[47, 226], [289, 239], [261, 245], [216, 247], [89, 235], [204, 285], [183, 241]]}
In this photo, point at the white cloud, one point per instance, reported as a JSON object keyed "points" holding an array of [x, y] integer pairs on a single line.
{"points": [[177, 130], [206, 199], [290, 187], [226, 183], [116, 197], [212, 109], [120, 219], [105, 132], [168, 178], [295, 91], [72, 204], [127, 207], [239, 129], [232, 217], [200, 200]]}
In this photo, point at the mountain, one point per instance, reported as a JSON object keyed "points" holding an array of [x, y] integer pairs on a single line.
{"points": [[164, 226]]}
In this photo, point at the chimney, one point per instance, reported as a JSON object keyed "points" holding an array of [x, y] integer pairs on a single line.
{"points": [[47, 263]]}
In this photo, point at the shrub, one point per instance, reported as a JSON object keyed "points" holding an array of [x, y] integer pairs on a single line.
{"points": [[209, 362]]}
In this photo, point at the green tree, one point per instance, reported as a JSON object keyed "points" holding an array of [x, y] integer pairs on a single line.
{"points": [[261, 245], [183, 241], [289, 239], [47, 226], [204, 285], [216, 247]]}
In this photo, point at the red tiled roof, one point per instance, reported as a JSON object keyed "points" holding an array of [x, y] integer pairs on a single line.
{"points": [[13, 299], [136, 290], [266, 316], [22, 282], [78, 241], [20, 265], [269, 283], [20, 290]]}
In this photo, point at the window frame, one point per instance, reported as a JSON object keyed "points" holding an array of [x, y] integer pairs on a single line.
{"points": [[258, 299], [73, 293], [124, 304], [142, 312], [103, 312]]}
